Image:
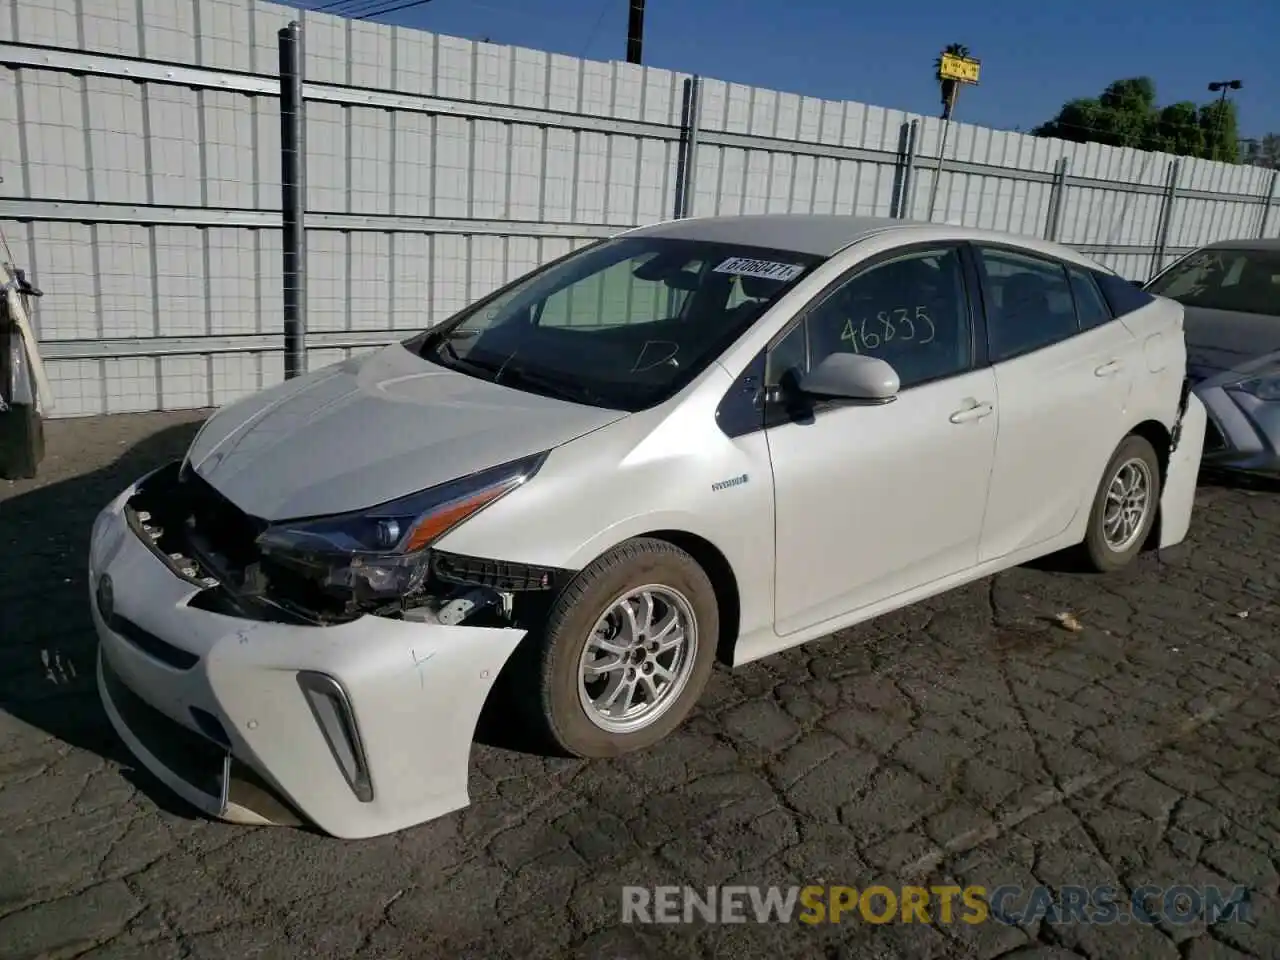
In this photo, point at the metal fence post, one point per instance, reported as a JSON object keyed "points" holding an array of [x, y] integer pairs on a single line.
{"points": [[1057, 199], [687, 157], [1267, 202], [906, 169], [293, 199], [1166, 216]]}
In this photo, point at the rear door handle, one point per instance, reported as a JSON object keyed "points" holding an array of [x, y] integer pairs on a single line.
{"points": [[1109, 369], [975, 412]]}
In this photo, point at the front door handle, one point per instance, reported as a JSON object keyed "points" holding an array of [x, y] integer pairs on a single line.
{"points": [[975, 412], [1109, 369]]}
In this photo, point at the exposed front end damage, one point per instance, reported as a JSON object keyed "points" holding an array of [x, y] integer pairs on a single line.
{"points": [[261, 697], [209, 542], [1177, 499]]}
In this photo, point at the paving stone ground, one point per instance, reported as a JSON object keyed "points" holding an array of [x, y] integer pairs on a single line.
{"points": [[970, 739]]}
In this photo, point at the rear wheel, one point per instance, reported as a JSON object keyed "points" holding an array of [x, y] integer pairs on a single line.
{"points": [[627, 650], [1124, 507]]}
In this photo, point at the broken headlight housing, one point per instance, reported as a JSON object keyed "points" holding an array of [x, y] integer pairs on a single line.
{"points": [[382, 553]]}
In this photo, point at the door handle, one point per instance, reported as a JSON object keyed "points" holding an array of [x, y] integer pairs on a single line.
{"points": [[1109, 369], [975, 412]]}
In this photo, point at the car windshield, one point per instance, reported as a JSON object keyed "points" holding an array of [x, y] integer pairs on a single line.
{"points": [[622, 324], [1242, 281]]}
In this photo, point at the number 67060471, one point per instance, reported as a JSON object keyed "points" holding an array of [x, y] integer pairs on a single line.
{"points": [[902, 324]]}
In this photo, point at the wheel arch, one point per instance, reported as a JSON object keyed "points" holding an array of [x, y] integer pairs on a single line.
{"points": [[1161, 440], [723, 580]]}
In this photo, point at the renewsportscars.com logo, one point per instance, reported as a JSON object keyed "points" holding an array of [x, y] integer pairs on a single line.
{"points": [[878, 904]]}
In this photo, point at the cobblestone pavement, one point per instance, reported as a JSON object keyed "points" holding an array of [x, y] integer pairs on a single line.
{"points": [[970, 739]]}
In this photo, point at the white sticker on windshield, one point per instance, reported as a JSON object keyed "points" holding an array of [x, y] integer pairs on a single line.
{"points": [[765, 269]]}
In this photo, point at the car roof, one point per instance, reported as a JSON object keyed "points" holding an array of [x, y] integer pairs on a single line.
{"points": [[1245, 243], [825, 235], [817, 234]]}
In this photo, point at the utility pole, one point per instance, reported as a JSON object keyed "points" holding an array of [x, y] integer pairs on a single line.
{"points": [[635, 31], [1224, 86], [955, 67]]}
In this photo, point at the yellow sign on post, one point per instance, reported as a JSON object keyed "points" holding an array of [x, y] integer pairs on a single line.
{"points": [[961, 69]]}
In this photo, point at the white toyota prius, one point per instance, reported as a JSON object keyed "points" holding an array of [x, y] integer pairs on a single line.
{"points": [[722, 436]]}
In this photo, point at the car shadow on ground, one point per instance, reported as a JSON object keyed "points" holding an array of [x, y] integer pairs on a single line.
{"points": [[1227, 480], [48, 647]]}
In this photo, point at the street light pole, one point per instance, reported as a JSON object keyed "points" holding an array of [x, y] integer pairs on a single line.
{"points": [[1223, 86], [635, 31]]}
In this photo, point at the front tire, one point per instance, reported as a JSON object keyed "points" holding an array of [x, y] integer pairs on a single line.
{"points": [[1124, 508], [627, 650]]}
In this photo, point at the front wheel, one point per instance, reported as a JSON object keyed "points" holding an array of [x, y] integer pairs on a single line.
{"points": [[627, 650], [1124, 508]]}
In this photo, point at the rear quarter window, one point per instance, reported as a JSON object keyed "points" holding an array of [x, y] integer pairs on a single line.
{"points": [[1121, 295], [1092, 309]]}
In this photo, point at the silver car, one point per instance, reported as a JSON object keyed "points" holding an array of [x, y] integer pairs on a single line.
{"points": [[1230, 291]]}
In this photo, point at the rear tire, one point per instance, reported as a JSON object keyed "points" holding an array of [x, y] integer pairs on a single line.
{"points": [[640, 623], [1125, 506]]}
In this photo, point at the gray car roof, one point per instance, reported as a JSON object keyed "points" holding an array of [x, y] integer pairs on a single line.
{"points": [[1245, 243], [817, 234]]}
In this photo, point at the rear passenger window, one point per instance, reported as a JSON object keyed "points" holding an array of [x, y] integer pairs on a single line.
{"points": [[1122, 295], [1091, 310], [1029, 303]]}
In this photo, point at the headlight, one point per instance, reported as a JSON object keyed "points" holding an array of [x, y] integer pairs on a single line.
{"points": [[381, 553], [1264, 388]]}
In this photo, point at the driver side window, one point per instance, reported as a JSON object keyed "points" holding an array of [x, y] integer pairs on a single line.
{"points": [[911, 311]]}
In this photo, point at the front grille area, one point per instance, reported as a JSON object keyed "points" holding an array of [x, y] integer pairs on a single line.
{"points": [[150, 644], [211, 727], [197, 761]]}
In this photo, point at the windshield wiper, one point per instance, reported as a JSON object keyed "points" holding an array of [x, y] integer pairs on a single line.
{"points": [[442, 342], [550, 386], [504, 373]]}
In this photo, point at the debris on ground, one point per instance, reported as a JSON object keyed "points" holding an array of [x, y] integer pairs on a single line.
{"points": [[1068, 622]]}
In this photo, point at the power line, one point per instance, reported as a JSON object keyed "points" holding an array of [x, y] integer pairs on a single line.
{"points": [[394, 8], [359, 8], [329, 6], [604, 7]]}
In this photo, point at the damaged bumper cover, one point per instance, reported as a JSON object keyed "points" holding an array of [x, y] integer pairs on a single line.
{"points": [[361, 727], [1177, 499]]}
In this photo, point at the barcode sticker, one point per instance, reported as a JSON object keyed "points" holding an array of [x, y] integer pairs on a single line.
{"points": [[765, 269]]}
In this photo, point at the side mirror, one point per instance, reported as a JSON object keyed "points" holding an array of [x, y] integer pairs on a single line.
{"points": [[851, 376]]}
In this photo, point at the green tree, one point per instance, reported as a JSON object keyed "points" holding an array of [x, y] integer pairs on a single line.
{"points": [[1180, 131], [1126, 115], [950, 89]]}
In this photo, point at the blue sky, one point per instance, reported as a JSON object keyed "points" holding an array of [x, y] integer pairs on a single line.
{"points": [[1035, 55]]}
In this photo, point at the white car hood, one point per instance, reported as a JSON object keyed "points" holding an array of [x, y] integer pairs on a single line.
{"points": [[371, 429]]}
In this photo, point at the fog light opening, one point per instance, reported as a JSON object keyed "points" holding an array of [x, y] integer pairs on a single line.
{"points": [[332, 710]]}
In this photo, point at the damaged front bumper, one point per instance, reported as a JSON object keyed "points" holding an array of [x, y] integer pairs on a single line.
{"points": [[362, 727], [1177, 498]]}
